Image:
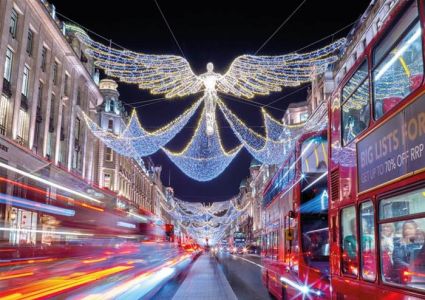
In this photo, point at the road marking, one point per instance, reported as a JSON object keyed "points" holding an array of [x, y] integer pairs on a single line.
{"points": [[258, 265]]}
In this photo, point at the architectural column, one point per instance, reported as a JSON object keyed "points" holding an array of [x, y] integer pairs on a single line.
{"points": [[35, 93], [73, 113]]}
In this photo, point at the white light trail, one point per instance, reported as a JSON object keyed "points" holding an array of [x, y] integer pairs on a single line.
{"points": [[49, 183]]}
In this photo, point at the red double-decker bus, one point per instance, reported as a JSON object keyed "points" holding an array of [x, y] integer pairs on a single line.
{"points": [[377, 159], [295, 241]]}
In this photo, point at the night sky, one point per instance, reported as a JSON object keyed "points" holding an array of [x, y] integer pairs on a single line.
{"points": [[216, 31]]}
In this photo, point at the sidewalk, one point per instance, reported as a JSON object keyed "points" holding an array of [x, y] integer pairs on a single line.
{"points": [[205, 281]]}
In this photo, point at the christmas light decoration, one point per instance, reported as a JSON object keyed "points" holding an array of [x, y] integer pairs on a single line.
{"points": [[203, 221], [135, 141], [248, 75], [204, 157]]}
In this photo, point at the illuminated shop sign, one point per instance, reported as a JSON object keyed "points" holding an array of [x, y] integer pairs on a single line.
{"points": [[394, 149]]}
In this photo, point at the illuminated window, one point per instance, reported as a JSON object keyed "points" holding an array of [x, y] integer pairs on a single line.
{"points": [[315, 156], [349, 241], [8, 65], [107, 181], [13, 28], [23, 122], [398, 67], [367, 241], [25, 81], [355, 105], [109, 154], [4, 107]]}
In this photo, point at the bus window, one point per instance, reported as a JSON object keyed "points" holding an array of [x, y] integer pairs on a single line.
{"points": [[398, 68], [349, 241], [367, 240], [314, 204], [315, 155], [402, 241], [355, 106]]}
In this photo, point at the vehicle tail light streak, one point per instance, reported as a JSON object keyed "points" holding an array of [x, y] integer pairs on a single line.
{"points": [[56, 285]]}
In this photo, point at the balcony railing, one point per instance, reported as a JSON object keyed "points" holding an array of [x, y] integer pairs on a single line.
{"points": [[24, 102], [20, 140], [7, 88], [2, 129]]}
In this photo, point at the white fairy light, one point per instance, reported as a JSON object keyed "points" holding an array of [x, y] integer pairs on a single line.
{"points": [[204, 157], [248, 75]]}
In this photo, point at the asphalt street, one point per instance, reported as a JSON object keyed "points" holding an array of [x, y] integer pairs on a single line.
{"points": [[244, 275]]}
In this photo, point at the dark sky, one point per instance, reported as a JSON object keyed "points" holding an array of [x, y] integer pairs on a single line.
{"points": [[216, 31]]}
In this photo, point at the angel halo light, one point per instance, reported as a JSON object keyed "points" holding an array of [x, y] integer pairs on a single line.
{"points": [[171, 75]]}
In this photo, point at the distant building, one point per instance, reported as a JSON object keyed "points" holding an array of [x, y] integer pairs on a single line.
{"points": [[129, 178]]}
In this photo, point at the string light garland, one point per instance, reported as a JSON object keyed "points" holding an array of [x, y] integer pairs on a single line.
{"points": [[204, 157], [135, 141], [205, 221]]}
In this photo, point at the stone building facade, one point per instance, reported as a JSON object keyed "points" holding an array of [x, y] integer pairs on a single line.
{"points": [[47, 82]]}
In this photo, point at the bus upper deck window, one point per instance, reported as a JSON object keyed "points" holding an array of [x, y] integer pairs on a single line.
{"points": [[355, 113], [355, 104], [398, 63]]}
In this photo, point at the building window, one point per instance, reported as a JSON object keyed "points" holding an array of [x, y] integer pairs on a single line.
{"points": [[23, 122], [8, 65], [25, 81], [110, 125], [76, 159], [304, 117], [112, 105], [36, 136], [107, 181], [39, 100], [66, 85], [55, 73], [4, 107], [79, 97], [52, 113], [109, 154], [355, 107], [49, 149], [349, 241], [62, 138], [43, 59], [398, 67], [30, 39], [13, 29], [367, 241]]}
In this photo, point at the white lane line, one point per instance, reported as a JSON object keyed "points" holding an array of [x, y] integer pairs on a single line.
{"points": [[258, 265]]}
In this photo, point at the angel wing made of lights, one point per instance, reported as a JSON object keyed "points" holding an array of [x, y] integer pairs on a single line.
{"points": [[170, 75], [247, 76]]}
